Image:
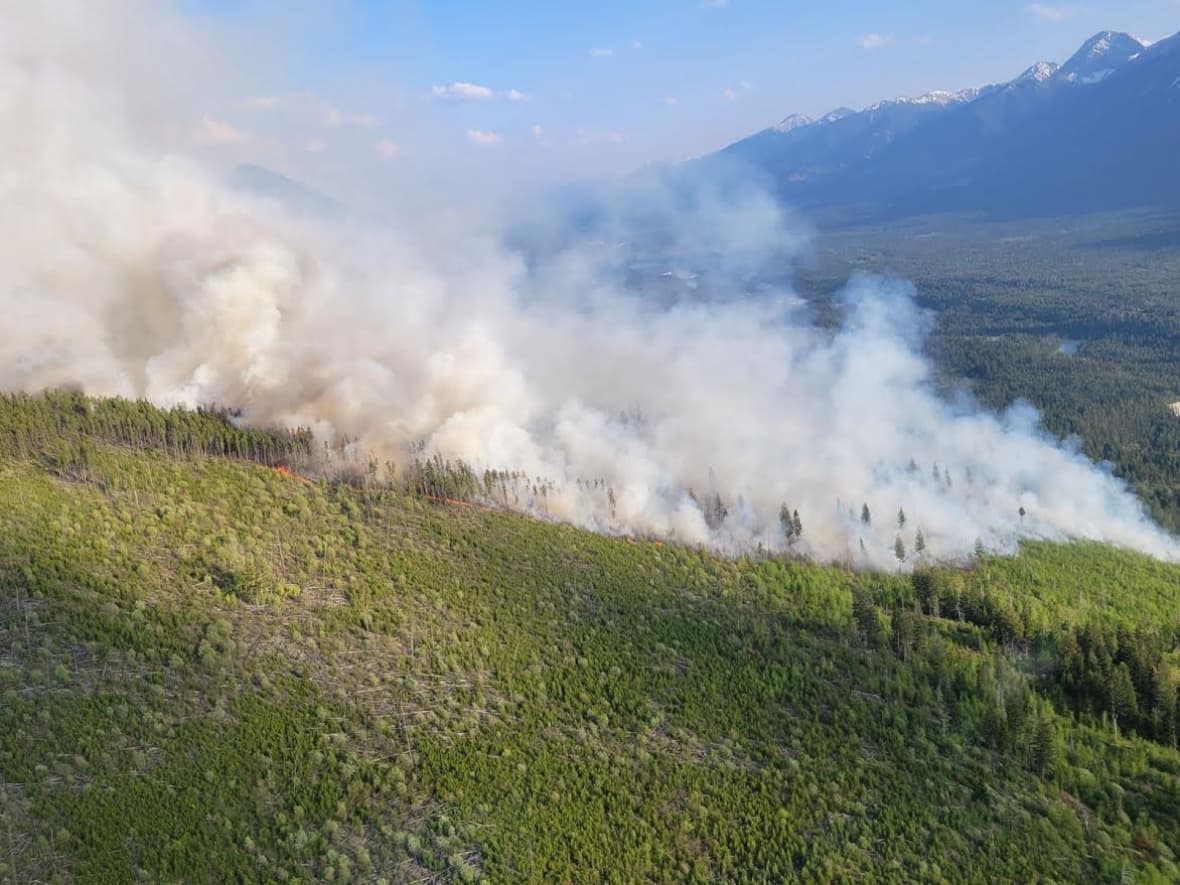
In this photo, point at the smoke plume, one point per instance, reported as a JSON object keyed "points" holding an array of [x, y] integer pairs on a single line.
{"points": [[637, 372]]}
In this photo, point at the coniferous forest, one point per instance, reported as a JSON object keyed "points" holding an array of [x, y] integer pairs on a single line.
{"points": [[215, 661], [1078, 316]]}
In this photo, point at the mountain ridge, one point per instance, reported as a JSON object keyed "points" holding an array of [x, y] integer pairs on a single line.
{"points": [[1103, 126]]}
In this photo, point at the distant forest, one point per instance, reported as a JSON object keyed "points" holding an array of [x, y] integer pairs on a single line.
{"points": [[1078, 316]]}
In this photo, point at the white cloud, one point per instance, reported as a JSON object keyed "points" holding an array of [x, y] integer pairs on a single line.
{"points": [[463, 92], [474, 92], [735, 92], [927, 40], [715, 4], [583, 137], [315, 146], [483, 138], [670, 100], [311, 107], [636, 44], [601, 52], [211, 131], [1048, 13], [387, 149], [875, 41], [538, 131]]}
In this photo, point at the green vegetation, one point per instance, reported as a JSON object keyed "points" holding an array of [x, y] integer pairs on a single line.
{"points": [[211, 670], [1079, 316]]}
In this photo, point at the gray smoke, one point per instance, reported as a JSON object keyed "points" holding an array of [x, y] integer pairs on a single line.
{"points": [[130, 270]]}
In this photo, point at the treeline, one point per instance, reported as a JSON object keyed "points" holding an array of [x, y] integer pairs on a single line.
{"points": [[62, 425]]}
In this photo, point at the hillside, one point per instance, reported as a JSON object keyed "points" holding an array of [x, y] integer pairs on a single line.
{"points": [[1096, 133], [210, 664]]}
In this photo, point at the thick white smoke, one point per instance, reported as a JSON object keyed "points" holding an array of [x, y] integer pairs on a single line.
{"points": [[131, 272]]}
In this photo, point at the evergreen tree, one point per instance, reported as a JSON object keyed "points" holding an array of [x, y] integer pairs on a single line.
{"points": [[720, 511], [1124, 703], [995, 724], [788, 523], [1045, 749], [864, 615], [926, 590], [905, 632], [919, 543], [900, 519], [899, 550], [865, 516]]}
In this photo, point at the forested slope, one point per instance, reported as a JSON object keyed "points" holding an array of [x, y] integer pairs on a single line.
{"points": [[215, 669]]}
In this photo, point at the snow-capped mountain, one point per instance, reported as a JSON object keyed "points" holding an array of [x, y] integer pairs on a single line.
{"points": [[1102, 129], [1040, 72], [1099, 57]]}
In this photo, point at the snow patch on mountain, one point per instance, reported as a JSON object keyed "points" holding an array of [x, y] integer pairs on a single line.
{"points": [[794, 121], [1038, 73]]}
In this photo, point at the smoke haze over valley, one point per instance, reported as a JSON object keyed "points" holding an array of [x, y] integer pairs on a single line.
{"points": [[133, 270]]}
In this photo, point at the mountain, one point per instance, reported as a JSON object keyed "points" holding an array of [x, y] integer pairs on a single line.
{"points": [[1099, 57], [258, 181], [1100, 131]]}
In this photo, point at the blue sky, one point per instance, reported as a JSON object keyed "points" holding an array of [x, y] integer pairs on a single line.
{"points": [[576, 89]]}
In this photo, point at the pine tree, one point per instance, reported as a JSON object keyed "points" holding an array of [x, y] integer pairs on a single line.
{"points": [[919, 543], [905, 630], [1164, 714], [899, 549], [900, 519], [797, 524], [925, 590], [788, 524], [720, 511], [865, 516], [1045, 748], [1124, 703], [864, 615]]}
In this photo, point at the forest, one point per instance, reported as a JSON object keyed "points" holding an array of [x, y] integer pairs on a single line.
{"points": [[1079, 316], [214, 661]]}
